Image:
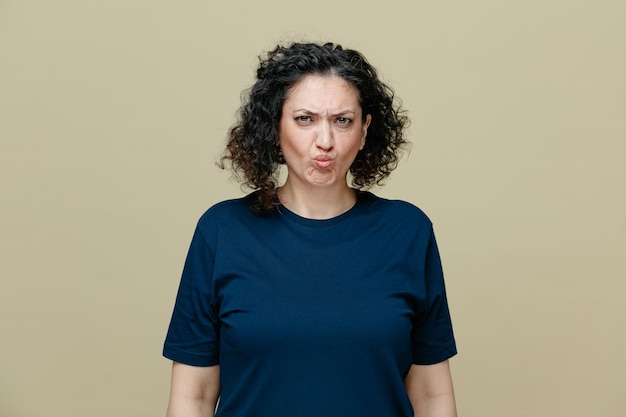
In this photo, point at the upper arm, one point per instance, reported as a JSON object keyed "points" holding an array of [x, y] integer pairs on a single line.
{"points": [[194, 390], [430, 390], [432, 333]]}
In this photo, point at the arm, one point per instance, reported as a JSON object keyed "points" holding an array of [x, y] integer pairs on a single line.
{"points": [[194, 391], [430, 390]]}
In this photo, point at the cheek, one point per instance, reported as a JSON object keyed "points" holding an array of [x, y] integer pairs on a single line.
{"points": [[296, 141], [290, 148]]}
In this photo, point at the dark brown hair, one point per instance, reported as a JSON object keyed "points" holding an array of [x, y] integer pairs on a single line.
{"points": [[252, 148]]}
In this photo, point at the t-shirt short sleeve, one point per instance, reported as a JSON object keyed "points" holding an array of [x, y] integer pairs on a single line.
{"points": [[193, 334], [433, 337]]}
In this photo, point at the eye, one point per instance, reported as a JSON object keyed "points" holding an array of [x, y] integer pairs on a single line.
{"points": [[344, 121], [303, 119]]}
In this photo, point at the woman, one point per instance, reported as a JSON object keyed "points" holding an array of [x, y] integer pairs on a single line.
{"points": [[313, 298]]}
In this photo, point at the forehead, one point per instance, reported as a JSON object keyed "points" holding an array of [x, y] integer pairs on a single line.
{"points": [[323, 90]]}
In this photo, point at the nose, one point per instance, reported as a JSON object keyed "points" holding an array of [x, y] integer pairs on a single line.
{"points": [[324, 138]]}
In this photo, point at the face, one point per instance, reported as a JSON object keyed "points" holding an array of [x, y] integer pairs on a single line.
{"points": [[321, 131]]}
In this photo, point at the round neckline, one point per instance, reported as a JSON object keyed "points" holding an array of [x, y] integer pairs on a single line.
{"points": [[292, 216]]}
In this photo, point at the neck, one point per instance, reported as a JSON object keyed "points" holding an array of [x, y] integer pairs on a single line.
{"points": [[317, 203]]}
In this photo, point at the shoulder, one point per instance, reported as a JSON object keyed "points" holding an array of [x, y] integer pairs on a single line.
{"points": [[232, 212], [394, 210], [236, 206]]}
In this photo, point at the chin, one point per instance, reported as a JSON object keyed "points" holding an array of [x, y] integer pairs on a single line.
{"points": [[322, 179]]}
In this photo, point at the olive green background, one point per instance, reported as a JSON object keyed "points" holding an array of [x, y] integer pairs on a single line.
{"points": [[113, 113]]}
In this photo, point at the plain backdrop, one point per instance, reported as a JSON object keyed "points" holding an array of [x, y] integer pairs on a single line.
{"points": [[113, 113]]}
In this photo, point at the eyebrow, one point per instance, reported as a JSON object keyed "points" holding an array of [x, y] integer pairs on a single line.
{"points": [[309, 112]]}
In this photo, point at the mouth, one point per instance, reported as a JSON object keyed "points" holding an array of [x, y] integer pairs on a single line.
{"points": [[322, 161]]}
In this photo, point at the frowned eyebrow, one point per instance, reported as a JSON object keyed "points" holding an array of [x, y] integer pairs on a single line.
{"points": [[312, 113]]}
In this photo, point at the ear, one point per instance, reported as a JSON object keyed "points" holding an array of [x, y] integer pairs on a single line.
{"points": [[366, 124]]}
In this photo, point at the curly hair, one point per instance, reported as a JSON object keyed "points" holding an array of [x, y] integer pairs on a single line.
{"points": [[252, 147]]}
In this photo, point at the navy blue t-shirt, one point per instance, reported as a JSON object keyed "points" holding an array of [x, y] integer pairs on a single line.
{"points": [[312, 317]]}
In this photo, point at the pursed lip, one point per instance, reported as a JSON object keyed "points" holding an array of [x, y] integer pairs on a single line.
{"points": [[323, 161]]}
